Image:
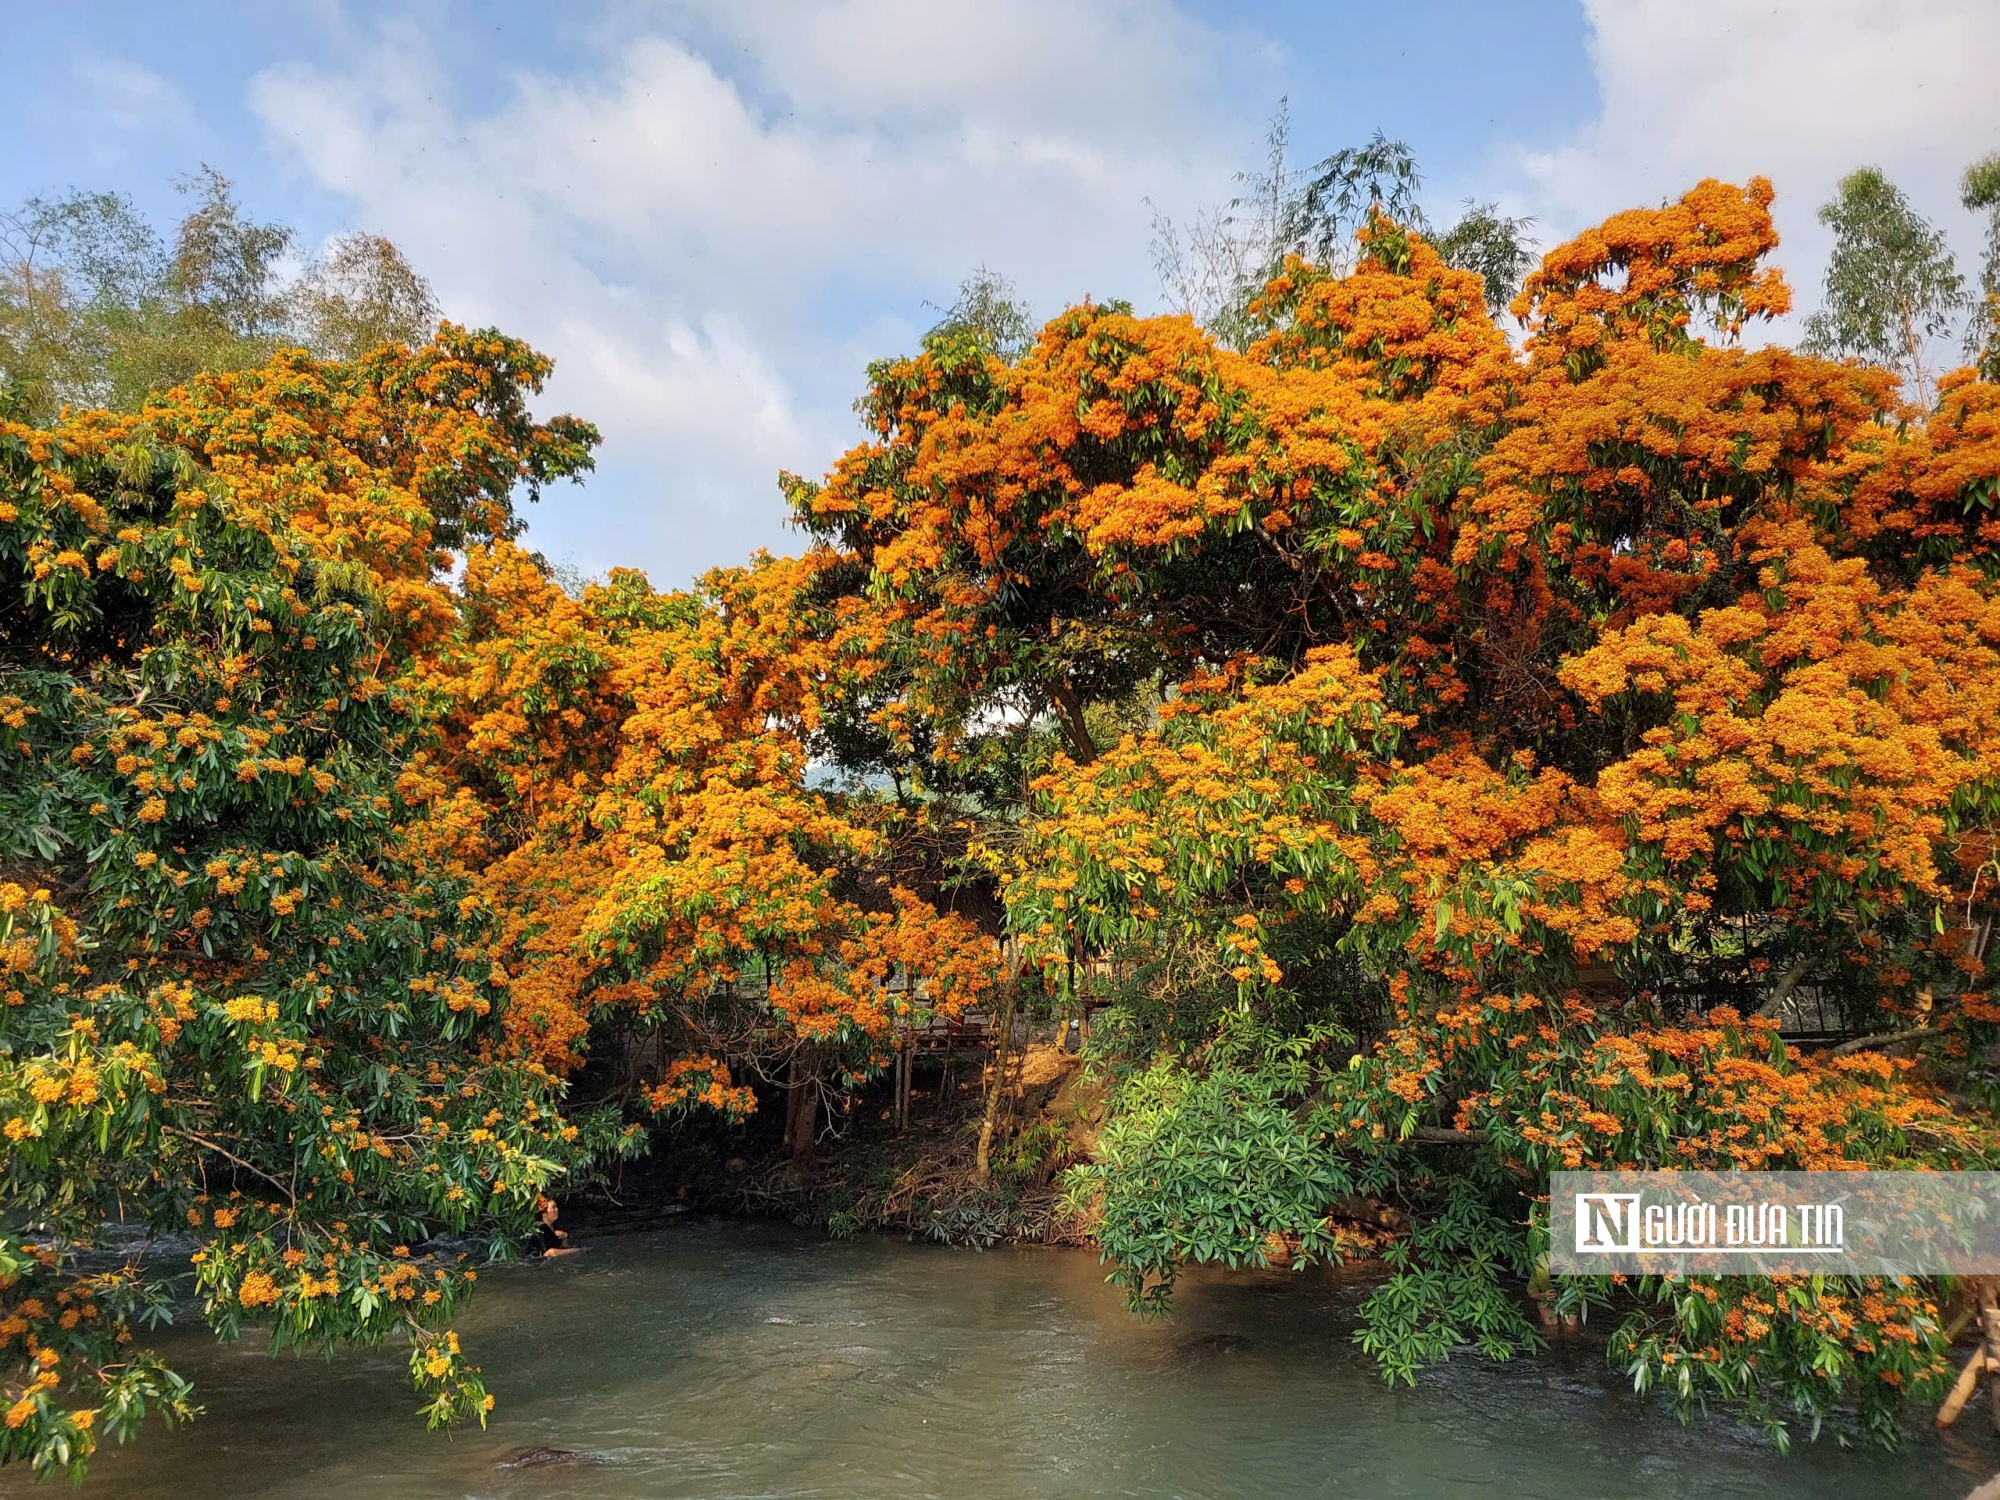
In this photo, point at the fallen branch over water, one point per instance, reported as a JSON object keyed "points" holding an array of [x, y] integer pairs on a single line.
{"points": [[1885, 1039]]}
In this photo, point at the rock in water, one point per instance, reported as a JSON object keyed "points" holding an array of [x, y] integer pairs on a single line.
{"points": [[1215, 1343], [535, 1458]]}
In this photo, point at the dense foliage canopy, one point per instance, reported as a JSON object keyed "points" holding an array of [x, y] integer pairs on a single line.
{"points": [[1440, 761], [251, 1000], [1444, 722]]}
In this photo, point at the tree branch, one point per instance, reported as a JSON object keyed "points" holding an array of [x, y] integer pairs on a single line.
{"points": [[207, 1145], [1278, 552], [1787, 982], [1442, 1135], [1886, 1039], [1069, 709]]}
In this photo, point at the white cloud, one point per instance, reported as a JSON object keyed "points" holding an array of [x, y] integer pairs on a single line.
{"points": [[1800, 91], [718, 219], [705, 228], [130, 97], [1053, 68], [113, 113]]}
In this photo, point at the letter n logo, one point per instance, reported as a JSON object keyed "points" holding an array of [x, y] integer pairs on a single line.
{"points": [[1607, 1223]]}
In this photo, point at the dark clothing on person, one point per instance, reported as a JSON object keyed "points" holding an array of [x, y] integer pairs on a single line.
{"points": [[547, 1238]]}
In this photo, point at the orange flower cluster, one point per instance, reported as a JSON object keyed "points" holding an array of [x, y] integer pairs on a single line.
{"points": [[632, 771], [1645, 273]]}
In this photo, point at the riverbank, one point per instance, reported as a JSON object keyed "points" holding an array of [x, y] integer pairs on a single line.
{"points": [[866, 1174]]}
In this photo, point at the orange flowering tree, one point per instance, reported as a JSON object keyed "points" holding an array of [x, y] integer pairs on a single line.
{"points": [[337, 834], [668, 868], [242, 998], [1472, 758]]}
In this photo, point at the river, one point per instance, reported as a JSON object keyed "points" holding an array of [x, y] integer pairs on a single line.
{"points": [[714, 1359]]}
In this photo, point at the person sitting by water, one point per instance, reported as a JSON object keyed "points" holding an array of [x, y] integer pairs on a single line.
{"points": [[549, 1240]]}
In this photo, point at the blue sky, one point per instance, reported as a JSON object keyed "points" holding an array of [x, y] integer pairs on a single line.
{"points": [[712, 213]]}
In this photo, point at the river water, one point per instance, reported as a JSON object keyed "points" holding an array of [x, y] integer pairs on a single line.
{"points": [[726, 1359]]}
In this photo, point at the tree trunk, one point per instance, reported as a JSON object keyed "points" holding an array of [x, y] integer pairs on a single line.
{"points": [[904, 1064], [1962, 1391], [801, 1107], [982, 1164], [1787, 982], [1985, 1362], [1069, 709], [1916, 348], [1989, 1324]]}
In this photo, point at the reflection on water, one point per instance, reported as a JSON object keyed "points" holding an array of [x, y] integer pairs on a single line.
{"points": [[725, 1359]]}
